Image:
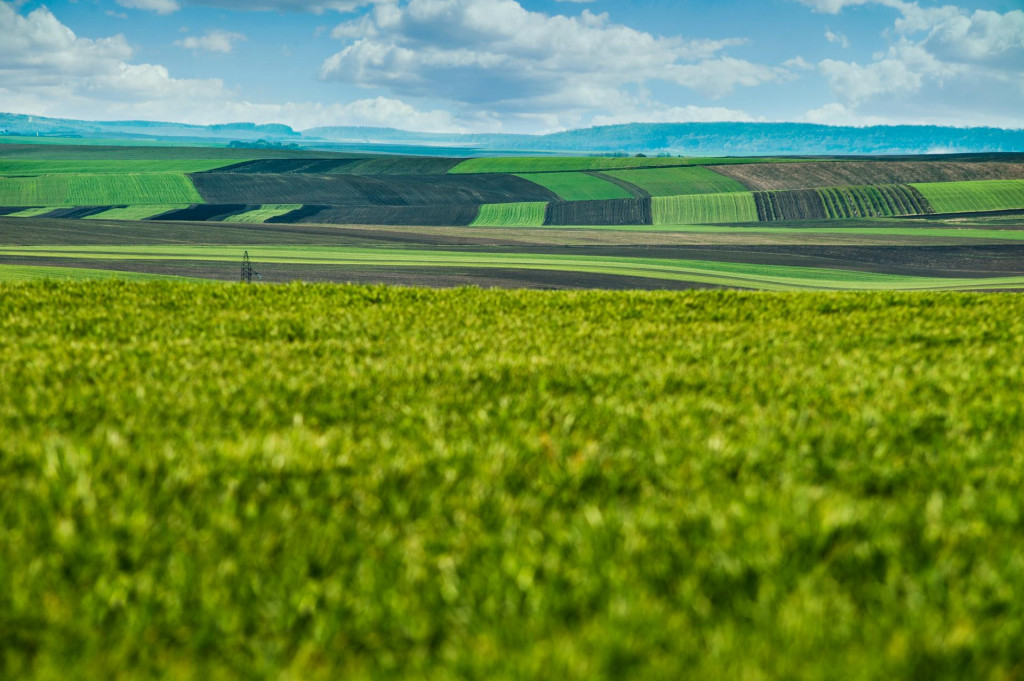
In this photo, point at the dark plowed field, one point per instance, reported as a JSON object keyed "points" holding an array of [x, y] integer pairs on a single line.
{"points": [[769, 176], [382, 215], [801, 204], [362, 190], [610, 212]]}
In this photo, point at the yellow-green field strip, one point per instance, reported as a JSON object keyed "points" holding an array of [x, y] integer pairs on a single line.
{"points": [[264, 213], [99, 189], [19, 273], [766, 277]]}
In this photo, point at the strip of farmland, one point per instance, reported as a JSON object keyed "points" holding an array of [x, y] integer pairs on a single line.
{"points": [[511, 215], [549, 164], [873, 201], [798, 204], [578, 186], [352, 166], [743, 275], [957, 197], [678, 181], [700, 209], [613, 212], [136, 212], [106, 189], [776, 176], [362, 190], [439, 215], [264, 213]]}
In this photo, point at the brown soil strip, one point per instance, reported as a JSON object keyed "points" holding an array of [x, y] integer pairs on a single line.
{"points": [[770, 176]]}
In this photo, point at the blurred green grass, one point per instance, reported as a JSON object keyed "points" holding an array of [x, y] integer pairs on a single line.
{"points": [[324, 482]]}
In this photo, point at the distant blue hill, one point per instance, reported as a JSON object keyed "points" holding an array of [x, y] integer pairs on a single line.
{"points": [[699, 139]]}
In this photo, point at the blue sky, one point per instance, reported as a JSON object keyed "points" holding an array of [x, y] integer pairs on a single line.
{"points": [[515, 66]]}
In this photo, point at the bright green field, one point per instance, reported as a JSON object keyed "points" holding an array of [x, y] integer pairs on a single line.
{"points": [[295, 482], [738, 275], [955, 197], [31, 212], [23, 273], [97, 190], [264, 213], [85, 167], [569, 163], [578, 186], [704, 208], [675, 181], [136, 212], [529, 214]]}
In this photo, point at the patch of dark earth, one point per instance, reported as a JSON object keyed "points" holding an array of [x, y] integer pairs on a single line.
{"points": [[419, 276]]}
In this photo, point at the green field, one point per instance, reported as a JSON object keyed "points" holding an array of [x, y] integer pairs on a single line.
{"points": [[731, 274], [264, 212], [97, 190], [676, 181], [299, 482], [142, 212], [871, 201], [24, 273], [955, 197], [704, 208], [31, 212], [572, 163], [578, 186], [9, 166], [511, 215]]}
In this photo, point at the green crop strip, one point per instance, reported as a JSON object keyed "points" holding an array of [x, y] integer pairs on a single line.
{"points": [[575, 163], [31, 212], [97, 190], [24, 273], [578, 186], [529, 214], [742, 275], [136, 212], [264, 213], [676, 181], [329, 482], [704, 208], [12, 166], [956, 197]]}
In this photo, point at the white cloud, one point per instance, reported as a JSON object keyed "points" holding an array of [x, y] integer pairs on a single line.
{"points": [[942, 59], [49, 71], [496, 55], [675, 114], [212, 41], [316, 7], [837, 38], [839, 114], [158, 6]]}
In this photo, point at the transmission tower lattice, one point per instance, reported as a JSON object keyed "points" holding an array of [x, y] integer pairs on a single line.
{"points": [[247, 271]]}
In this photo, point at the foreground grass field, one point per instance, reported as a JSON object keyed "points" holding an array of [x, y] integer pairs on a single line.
{"points": [[303, 482]]}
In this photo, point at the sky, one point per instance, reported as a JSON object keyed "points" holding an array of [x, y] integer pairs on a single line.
{"points": [[523, 66]]}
